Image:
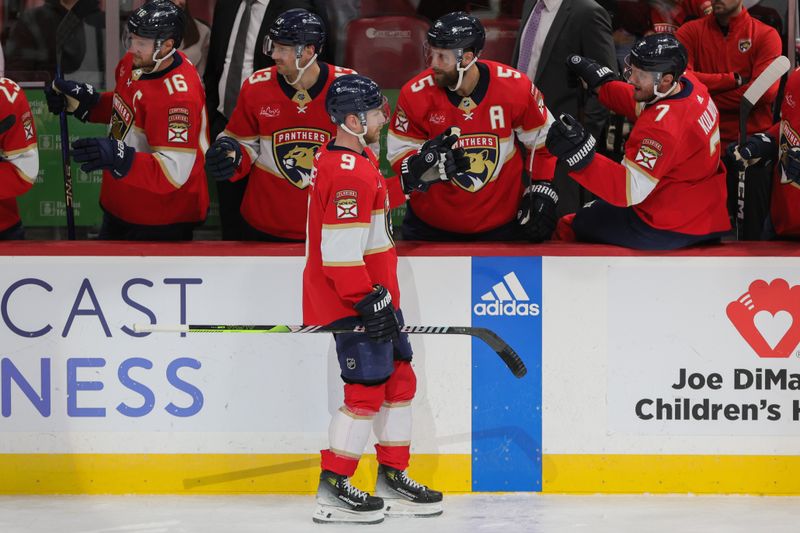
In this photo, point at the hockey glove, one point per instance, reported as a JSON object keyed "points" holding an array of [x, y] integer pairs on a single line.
{"points": [[592, 73], [790, 164], [537, 211], [377, 312], [435, 162], [7, 123], [77, 99], [759, 149], [109, 154], [569, 141], [223, 158]]}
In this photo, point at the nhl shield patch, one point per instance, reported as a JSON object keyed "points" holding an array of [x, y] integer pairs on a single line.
{"points": [[483, 150], [744, 45], [294, 150], [346, 204]]}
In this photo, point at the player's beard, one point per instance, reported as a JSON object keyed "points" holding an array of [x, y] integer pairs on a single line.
{"points": [[373, 137], [145, 63], [445, 79]]}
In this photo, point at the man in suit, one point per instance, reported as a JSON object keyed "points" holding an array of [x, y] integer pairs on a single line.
{"points": [[550, 32], [251, 56]]}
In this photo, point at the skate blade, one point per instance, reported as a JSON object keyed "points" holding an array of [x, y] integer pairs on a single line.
{"points": [[328, 514], [403, 507]]}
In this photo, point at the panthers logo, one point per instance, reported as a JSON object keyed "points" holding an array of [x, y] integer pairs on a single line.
{"points": [[482, 151], [294, 150]]}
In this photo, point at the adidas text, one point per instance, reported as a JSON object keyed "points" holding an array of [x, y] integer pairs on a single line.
{"points": [[499, 308]]}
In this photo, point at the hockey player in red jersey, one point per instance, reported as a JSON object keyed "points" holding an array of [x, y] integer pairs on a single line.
{"points": [[19, 156], [154, 187], [350, 278], [781, 142], [278, 124], [499, 193], [669, 190]]}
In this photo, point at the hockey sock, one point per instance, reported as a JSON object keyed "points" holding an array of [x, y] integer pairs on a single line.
{"points": [[393, 421]]}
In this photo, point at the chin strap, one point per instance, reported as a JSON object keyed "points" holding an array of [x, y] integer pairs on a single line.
{"points": [[157, 49], [359, 135], [300, 70], [461, 70], [658, 95]]}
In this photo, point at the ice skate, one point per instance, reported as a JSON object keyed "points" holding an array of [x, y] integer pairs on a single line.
{"points": [[402, 496], [340, 502]]}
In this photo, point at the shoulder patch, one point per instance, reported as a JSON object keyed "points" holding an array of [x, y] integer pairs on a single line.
{"points": [[178, 124], [648, 155], [346, 204], [401, 121]]}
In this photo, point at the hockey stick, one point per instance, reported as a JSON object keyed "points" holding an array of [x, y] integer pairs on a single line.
{"points": [[64, 32], [779, 66], [492, 339]]}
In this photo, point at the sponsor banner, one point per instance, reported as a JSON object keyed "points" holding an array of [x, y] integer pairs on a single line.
{"points": [[704, 350], [506, 412], [76, 378]]}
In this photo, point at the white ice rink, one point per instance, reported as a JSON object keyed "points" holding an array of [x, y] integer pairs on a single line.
{"points": [[506, 513]]}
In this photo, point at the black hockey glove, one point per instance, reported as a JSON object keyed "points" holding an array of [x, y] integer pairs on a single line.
{"points": [[7, 123], [377, 312], [590, 71], [569, 141], [435, 162], [759, 149], [790, 164], [75, 98], [109, 154], [223, 158], [537, 211]]}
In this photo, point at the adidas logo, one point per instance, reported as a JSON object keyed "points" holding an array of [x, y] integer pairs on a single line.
{"points": [[507, 298]]}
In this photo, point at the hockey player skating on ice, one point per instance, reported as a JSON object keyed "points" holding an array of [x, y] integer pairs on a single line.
{"points": [[669, 190], [278, 124], [350, 278], [497, 110], [154, 187]]}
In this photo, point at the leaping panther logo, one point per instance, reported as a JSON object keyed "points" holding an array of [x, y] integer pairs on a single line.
{"points": [[482, 151], [294, 150]]}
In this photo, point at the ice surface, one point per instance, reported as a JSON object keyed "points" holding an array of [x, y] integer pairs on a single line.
{"points": [[505, 513]]}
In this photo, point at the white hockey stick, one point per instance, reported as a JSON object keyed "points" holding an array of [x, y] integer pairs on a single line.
{"points": [[779, 66]]}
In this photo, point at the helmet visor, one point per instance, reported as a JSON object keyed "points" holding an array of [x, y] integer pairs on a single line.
{"points": [[439, 58]]}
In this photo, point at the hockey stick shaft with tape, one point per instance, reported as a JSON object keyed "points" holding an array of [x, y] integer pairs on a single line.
{"points": [[511, 359], [768, 77]]}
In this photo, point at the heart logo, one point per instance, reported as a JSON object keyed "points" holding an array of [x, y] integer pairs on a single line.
{"points": [[767, 317]]}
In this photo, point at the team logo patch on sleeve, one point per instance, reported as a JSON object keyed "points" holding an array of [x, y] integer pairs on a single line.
{"points": [[178, 125], [648, 154], [293, 150], [346, 204], [27, 126], [401, 121], [121, 118], [744, 45]]}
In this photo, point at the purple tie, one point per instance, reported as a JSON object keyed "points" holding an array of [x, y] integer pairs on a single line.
{"points": [[528, 36]]}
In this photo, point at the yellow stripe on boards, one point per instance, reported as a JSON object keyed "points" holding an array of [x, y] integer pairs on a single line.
{"points": [[716, 474], [204, 473]]}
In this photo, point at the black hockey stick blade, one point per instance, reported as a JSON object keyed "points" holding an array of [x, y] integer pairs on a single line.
{"points": [[510, 357]]}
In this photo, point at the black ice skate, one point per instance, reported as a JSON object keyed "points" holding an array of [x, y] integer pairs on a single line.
{"points": [[402, 496], [340, 502]]}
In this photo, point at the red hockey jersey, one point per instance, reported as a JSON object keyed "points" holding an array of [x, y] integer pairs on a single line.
{"points": [[349, 246], [747, 49], [671, 173], [504, 108], [19, 155], [162, 115], [279, 130], [785, 203]]}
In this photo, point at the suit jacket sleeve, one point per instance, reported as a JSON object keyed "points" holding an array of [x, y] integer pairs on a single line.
{"points": [[594, 27]]}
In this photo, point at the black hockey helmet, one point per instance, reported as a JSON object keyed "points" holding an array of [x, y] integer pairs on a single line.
{"points": [[660, 52], [298, 27], [457, 30], [353, 94], [159, 20]]}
